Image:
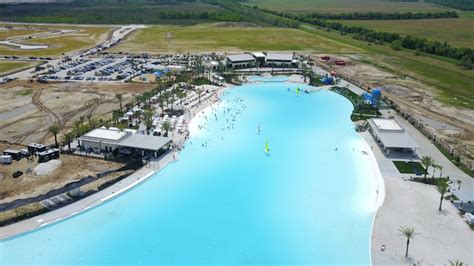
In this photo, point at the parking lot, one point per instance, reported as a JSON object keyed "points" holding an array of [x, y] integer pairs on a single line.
{"points": [[110, 68]]}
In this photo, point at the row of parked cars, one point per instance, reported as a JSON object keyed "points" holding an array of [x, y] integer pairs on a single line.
{"points": [[31, 57], [123, 68], [90, 66], [69, 65]]}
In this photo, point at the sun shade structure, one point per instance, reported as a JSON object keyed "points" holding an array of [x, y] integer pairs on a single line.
{"points": [[279, 57], [238, 58], [392, 136], [105, 135], [108, 140], [144, 142]]}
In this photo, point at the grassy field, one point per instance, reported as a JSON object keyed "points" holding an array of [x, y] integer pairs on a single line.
{"points": [[7, 67], [87, 37], [341, 6], [17, 32], [212, 37], [457, 32], [454, 84]]}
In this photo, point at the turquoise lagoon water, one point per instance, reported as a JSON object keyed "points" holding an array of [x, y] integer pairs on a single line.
{"points": [[227, 202]]}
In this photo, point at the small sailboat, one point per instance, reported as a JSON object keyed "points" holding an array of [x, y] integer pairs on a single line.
{"points": [[297, 91], [267, 148]]}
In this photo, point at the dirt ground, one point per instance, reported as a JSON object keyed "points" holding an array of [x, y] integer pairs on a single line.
{"points": [[28, 109], [73, 168], [455, 124]]}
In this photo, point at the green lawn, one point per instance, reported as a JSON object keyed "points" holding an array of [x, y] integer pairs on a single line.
{"points": [[7, 67], [458, 32], [341, 6], [215, 38], [363, 112], [405, 167]]}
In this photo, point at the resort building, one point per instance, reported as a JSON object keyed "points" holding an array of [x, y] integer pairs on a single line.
{"points": [[392, 137], [280, 60], [123, 142], [240, 61], [260, 58]]}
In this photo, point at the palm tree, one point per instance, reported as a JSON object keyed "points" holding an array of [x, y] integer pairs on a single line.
{"points": [[161, 102], [168, 75], [456, 263], [166, 126], [121, 127], [93, 122], [148, 120], [119, 97], [442, 186], [440, 167], [459, 181], [116, 116], [77, 128], [68, 137], [426, 161], [54, 129], [409, 233], [137, 115]]}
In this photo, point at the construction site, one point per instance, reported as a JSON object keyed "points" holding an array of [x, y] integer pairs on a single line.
{"points": [[28, 108], [449, 127]]}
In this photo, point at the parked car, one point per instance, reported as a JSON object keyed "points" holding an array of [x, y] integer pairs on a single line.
{"points": [[17, 174]]}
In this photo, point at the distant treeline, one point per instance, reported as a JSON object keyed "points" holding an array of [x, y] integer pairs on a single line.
{"points": [[466, 55], [381, 15], [458, 4], [142, 12], [255, 15], [126, 13]]}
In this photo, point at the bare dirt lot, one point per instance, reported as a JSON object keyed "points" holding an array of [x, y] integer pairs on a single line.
{"points": [[28, 109], [73, 168]]}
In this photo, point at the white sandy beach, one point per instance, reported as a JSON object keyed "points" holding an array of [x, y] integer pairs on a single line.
{"points": [[440, 236]]}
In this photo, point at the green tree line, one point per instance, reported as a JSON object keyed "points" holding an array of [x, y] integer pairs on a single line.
{"points": [[382, 15], [458, 4]]}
